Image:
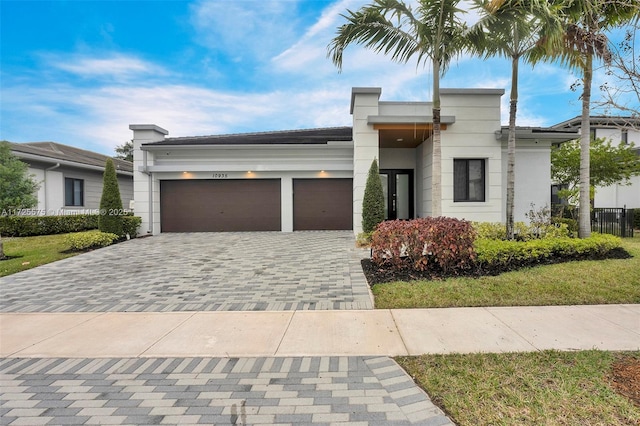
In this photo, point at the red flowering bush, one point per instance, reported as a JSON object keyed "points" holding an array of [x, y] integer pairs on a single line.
{"points": [[426, 243]]}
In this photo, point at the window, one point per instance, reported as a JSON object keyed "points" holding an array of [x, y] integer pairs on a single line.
{"points": [[73, 192], [468, 180], [624, 137]]}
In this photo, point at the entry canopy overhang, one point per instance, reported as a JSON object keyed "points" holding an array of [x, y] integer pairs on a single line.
{"points": [[405, 131], [537, 133]]}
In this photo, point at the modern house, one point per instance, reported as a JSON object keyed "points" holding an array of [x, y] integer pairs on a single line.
{"points": [[70, 178], [620, 130], [314, 179]]}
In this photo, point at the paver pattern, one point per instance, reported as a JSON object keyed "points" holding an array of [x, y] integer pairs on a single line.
{"points": [[245, 271], [297, 390]]}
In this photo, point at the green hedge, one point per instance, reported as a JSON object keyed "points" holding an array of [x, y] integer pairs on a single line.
{"points": [[89, 240], [498, 253], [26, 226]]}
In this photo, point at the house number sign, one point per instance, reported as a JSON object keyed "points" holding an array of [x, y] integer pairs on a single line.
{"points": [[220, 175]]}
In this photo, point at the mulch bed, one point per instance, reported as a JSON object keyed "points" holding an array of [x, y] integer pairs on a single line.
{"points": [[625, 378], [382, 274]]}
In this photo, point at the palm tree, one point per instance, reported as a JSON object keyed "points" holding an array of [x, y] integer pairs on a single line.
{"points": [[586, 23], [511, 29], [433, 32]]}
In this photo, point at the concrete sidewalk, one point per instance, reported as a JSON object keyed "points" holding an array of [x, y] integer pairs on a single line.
{"points": [[319, 333]]}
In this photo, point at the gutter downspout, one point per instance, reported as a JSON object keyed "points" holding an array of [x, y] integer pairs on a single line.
{"points": [[45, 184], [145, 169]]}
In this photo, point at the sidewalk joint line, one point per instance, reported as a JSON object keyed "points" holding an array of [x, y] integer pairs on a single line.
{"points": [[486, 309], [395, 324], [141, 354], [275, 353]]}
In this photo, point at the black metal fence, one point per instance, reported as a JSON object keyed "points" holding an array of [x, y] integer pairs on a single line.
{"points": [[616, 221]]}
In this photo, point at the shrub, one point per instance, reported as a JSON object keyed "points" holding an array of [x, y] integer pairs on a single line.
{"points": [[25, 226], [572, 225], [522, 231], [504, 255], [130, 225], [373, 200], [426, 243], [90, 239], [111, 211]]}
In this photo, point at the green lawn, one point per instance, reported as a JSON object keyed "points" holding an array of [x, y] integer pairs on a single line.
{"points": [[29, 252], [537, 388], [571, 283]]}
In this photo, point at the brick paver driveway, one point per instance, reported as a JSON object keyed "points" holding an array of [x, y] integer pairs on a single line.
{"points": [[199, 272]]}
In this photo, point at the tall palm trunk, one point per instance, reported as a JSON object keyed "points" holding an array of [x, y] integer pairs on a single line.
{"points": [[511, 147], [584, 228], [436, 158]]}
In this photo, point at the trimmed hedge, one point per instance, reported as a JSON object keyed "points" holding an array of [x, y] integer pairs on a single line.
{"points": [[506, 255], [522, 231], [90, 240], [26, 226]]}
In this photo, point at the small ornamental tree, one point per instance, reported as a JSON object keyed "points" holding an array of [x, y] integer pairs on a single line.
{"points": [[111, 211], [373, 201], [17, 187]]}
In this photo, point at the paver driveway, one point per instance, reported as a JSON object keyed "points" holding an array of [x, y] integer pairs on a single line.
{"points": [[199, 272]]}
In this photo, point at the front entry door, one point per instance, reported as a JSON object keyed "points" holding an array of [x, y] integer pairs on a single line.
{"points": [[397, 186]]}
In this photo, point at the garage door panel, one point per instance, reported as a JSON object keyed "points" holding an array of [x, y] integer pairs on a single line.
{"points": [[322, 204], [220, 205]]}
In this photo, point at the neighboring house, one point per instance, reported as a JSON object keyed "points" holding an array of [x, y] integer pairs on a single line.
{"points": [[315, 179], [71, 178], [620, 130]]}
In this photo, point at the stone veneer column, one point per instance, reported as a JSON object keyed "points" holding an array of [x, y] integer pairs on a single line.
{"points": [[146, 197], [364, 102]]}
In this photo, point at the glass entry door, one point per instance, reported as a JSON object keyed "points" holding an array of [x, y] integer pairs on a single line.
{"points": [[397, 186]]}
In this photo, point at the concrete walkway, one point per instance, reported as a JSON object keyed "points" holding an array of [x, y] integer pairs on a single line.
{"points": [[319, 333]]}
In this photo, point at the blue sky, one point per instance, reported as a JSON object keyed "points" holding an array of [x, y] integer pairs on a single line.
{"points": [[79, 72]]}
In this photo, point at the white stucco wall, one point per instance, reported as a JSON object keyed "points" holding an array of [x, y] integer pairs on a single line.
{"points": [[532, 178], [619, 195], [365, 148], [477, 118]]}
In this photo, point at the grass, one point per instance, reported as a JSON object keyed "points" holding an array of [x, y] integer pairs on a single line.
{"points": [[571, 283], [538, 388], [29, 252]]}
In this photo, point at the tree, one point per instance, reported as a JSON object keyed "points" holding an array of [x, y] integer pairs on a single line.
{"points": [[512, 29], [609, 165], [125, 151], [373, 201], [586, 23], [391, 27], [621, 90], [17, 187], [110, 219]]}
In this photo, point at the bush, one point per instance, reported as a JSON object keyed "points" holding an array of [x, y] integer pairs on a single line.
{"points": [[90, 239], [373, 200], [572, 225], [426, 243], [504, 255], [111, 211], [522, 231], [25, 226], [130, 225]]}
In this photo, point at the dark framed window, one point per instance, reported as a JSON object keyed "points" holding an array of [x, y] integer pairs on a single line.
{"points": [[468, 179], [73, 192], [624, 137]]}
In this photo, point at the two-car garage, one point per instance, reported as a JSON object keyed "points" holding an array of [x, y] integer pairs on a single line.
{"points": [[227, 205]]}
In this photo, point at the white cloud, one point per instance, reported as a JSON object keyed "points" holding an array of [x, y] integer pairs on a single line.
{"points": [[113, 65]]}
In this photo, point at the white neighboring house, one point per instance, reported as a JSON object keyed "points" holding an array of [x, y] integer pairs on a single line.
{"points": [[70, 178], [620, 130], [314, 179]]}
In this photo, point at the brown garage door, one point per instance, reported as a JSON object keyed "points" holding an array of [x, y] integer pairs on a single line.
{"points": [[322, 204], [220, 205]]}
